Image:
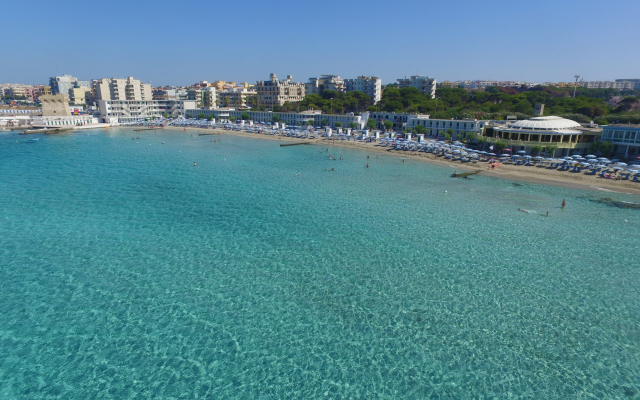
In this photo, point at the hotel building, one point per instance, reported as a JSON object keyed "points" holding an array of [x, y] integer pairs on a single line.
{"points": [[325, 82], [136, 110], [369, 85], [274, 92], [423, 83], [120, 89], [290, 118]]}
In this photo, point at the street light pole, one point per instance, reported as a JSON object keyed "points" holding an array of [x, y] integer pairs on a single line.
{"points": [[575, 86]]}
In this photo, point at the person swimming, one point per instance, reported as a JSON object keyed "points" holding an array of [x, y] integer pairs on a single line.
{"points": [[367, 165], [564, 203]]}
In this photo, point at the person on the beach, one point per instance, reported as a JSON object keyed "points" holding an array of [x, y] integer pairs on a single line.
{"points": [[564, 203]]}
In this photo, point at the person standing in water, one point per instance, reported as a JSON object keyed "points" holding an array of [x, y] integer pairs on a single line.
{"points": [[564, 203]]}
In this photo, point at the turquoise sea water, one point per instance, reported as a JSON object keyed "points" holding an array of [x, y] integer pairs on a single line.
{"points": [[126, 272]]}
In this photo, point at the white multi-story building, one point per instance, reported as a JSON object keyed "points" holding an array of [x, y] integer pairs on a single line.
{"points": [[62, 84], [423, 83], [274, 92], [636, 82], [288, 118], [618, 84], [369, 85], [325, 82], [120, 89], [135, 110], [433, 126]]}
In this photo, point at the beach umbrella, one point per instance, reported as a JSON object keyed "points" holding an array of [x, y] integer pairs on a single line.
{"points": [[590, 156], [584, 164], [617, 168], [520, 151], [506, 150], [538, 158], [621, 164], [527, 156], [490, 154]]}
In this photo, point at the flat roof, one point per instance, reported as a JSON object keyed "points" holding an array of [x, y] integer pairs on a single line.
{"points": [[623, 125]]}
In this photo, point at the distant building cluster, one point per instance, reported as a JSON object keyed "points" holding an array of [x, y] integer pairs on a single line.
{"points": [[129, 99]]}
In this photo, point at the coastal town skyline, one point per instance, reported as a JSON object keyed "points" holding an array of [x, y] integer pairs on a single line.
{"points": [[499, 41]]}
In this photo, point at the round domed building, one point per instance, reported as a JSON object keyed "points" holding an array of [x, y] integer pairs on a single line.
{"points": [[546, 132]]}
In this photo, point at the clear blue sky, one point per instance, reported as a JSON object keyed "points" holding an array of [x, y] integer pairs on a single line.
{"points": [[183, 42]]}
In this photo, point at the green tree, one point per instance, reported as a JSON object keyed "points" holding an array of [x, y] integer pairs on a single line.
{"points": [[499, 145], [165, 115], [371, 124], [387, 125], [310, 122], [201, 116], [449, 133], [471, 136], [324, 122], [210, 117], [275, 118], [338, 124], [606, 148], [353, 125], [245, 116], [441, 133], [551, 149], [536, 149], [232, 119]]}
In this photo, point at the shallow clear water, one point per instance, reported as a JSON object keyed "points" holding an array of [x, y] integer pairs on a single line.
{"points": [[126, 272]]}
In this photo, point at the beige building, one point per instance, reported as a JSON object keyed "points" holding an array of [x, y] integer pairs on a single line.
{"points": [[235, 97], [120, 89], [55, 105], [79, 95], [275, 92]]}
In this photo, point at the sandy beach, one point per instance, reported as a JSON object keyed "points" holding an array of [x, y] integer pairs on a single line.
{"points": [[533, 174]]}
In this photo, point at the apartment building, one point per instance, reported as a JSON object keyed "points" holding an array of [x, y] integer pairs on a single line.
{"points": [[136, 110], [235, 97], [62, 84], [275, 92], [423, 83], [636, 82], [120, 89], [204, 97], [369, 85], [325, 82]]}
